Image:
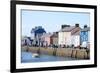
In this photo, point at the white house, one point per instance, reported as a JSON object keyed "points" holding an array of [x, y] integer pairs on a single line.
{"points": [[66, 35], [64, 38], [75, 39]]}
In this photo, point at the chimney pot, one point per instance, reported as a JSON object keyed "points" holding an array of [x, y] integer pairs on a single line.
{"points": [[63, 26], [76, 25], [85, 26]]}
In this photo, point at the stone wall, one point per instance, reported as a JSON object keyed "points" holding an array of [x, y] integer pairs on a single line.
{"points": [[65, 52]]}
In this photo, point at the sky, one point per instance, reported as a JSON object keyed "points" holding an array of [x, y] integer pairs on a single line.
{"points": [[51, 21]]}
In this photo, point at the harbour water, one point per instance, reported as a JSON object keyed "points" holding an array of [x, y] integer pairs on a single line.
{"points": [[26, 57]]}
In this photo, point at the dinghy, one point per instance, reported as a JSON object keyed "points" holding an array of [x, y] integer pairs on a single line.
{"points": [[35, 55]]}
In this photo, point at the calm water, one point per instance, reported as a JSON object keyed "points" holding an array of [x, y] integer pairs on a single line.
{"points": [[27, 57]]}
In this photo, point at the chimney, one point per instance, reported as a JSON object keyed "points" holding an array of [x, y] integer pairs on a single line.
{"points": [[85, 26], [63, 26], [76, 25], [36, 27], [39, 26]]}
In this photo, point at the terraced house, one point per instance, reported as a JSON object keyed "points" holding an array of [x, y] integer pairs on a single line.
{"points": [[36, 34], [85, 37], [69, 35], [46, 39], [49, 39]]}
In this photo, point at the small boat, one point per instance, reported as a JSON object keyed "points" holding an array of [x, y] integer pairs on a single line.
{"points": [[35, 55]]}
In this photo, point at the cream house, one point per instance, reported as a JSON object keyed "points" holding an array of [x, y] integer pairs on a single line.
{"points": [[64, 38], [75, 39], [65, 35]]}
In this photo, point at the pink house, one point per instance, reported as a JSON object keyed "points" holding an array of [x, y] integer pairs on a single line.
{"points": [[46, 39]]}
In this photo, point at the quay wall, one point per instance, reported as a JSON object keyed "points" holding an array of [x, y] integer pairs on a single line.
{"points": [[64, 52]]}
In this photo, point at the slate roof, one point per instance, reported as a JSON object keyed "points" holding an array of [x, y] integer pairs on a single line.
{"points": [[55, 34], [67, 29], [47, 35], [73, 29], [86, 29], [38, 30], [76, 33]]}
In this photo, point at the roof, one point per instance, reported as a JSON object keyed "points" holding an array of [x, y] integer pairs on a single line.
{"points": [[67, 29], [55, 34], [86, 29], [38, 29], [47, 35], [73, 29], [76, 33]]}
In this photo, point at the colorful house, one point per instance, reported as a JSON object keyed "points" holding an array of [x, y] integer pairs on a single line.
{"points": [[65, 35], [36, 34], [55, 38], [85, 36], [75, 39], [46, 39]]}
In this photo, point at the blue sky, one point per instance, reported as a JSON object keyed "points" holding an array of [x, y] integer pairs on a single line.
{"points": [[51, 21]]}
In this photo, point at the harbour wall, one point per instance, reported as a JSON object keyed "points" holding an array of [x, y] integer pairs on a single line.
{"points": [[64, 52]]}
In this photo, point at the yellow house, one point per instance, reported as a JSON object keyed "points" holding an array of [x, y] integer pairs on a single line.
{"points": [[65, 34]]}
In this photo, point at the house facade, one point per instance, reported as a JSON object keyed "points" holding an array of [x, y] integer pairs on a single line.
{"points": [[50, 39], [64, 38], [55, 38], [85, 36], [75, 39], [66, 35], [46, 39], [36, 34]]}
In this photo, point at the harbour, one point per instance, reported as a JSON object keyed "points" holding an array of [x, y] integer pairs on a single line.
{"points": [[26, 57], [52, 54]]}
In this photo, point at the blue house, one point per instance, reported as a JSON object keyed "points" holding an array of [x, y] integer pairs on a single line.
{"points": [[85, 36], [37, 32]]}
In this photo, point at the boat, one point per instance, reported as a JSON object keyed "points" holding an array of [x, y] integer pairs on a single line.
{"points": [[35, 55]]}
